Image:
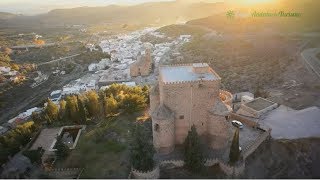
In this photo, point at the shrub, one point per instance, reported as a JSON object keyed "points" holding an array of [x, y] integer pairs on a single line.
{"points": [[193, 155], [141, 151], [234, 149], [62, 150]]}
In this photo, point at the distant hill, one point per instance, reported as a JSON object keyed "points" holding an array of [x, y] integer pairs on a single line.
{"points": [[158, 13], [309, 20], [5, 15]]}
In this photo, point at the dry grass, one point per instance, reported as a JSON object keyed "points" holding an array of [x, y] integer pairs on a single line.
{"points": [[103, 156]]}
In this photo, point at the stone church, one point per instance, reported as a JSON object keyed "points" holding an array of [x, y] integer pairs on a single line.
{"points": [[143, 65], [187, 95]]}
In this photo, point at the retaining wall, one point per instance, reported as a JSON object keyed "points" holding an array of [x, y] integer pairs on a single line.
{"points": [[234, 170], [230, 170], [255, 144], [154, 174], [65, 173], [176, 163], [244, 120]]}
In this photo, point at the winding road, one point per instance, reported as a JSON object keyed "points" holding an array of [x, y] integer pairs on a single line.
{"points": [[310, 57]]}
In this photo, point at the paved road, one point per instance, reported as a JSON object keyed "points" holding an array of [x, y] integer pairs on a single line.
{"points": [[310, 57], [32, 46], [287, 123], [60, 59]]}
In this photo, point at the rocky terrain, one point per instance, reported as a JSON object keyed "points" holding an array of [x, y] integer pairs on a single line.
{"points": [[285, 159]]}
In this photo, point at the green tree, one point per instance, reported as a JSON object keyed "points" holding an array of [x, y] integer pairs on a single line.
{"points": [[4, 153], [82, 110], [133, 103], [15, 67], [37, 117], [5, 58], [145, 91], [72, 109], [34, 155], [62, 150], [193, 155], [234, 149], [110, 105], [62, 110], [93, 104], [141, 151], [17, 137], [52, 111]]}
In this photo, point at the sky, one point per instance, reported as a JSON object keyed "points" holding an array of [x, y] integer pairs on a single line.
{"points": [[30, 7]]}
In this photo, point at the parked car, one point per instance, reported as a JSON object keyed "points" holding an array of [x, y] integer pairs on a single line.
{"points": [[237, 124]]}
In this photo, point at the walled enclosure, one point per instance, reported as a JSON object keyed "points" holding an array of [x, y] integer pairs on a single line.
{"points": [[189, 95]]}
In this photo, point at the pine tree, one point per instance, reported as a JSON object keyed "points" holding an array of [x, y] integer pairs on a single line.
{"points": [[234, 149], [141, 151], [62, 150], [193, 155], [82, 110]]}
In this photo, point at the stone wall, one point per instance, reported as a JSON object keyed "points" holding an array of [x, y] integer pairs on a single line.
{"points": [[255, 113], [244, 120], [190, 101], [175, 163], [154, 98], [154, 174], [218, 132], [68, 173], [230, 170], [164, 135], [234, 170], [255, 144]]}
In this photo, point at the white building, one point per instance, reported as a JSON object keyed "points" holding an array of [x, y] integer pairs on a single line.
{"points": [[55, 96], [4, 70]]}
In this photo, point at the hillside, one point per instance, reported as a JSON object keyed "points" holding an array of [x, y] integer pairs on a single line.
{"points": [[158, 13], [5, 15], [285, 159], [245, 23], [238, 47]]}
